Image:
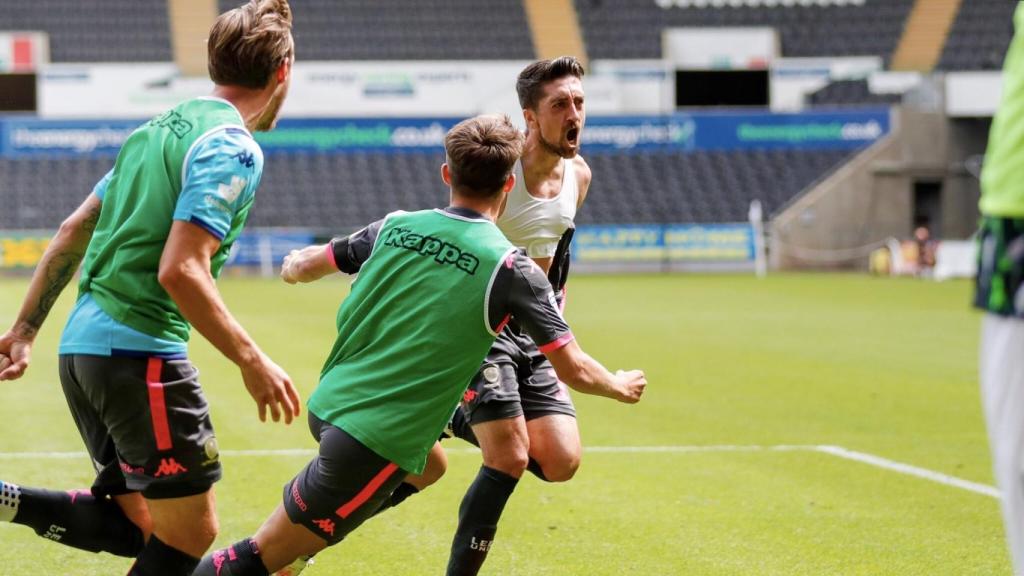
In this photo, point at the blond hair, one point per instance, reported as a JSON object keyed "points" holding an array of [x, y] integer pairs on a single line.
{"points": [[481, 152], [248, 44]]}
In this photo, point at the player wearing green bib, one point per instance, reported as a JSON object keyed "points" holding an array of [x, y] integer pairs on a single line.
{"points": [[152, 237], [1000, 293], [435, 288]]}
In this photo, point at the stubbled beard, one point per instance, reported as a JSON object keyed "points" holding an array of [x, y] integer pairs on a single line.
{"points": [[561, 151], [268, 118]]}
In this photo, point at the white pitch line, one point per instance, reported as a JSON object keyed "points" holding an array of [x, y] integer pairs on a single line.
{"points": [[910, 470], [836, 451]]}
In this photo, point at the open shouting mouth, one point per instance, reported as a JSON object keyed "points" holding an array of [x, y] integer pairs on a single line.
{"points": [[572, 135]]}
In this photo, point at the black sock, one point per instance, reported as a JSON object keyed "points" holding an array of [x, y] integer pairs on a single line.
{"points": [[478, 520], [403, 491], [159, 559], [240, 559], [534, 467], [76, 519]]}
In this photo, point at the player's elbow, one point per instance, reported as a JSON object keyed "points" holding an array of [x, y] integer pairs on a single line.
{"points": [[72, 234], [174, 277]]}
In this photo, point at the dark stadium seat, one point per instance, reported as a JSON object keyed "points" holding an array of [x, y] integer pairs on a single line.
{"points": [[40, 192], [410, 30], [97, 30], [336, 193], [849, 93], [979, 37], [703, 187], [632, 28]]}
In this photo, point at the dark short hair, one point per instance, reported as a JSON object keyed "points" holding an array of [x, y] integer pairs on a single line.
{"points": [[248, 44], [481, 152], [531, 81]]}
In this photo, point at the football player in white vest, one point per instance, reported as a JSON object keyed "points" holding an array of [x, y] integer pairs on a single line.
{"points": [[515, 409]]}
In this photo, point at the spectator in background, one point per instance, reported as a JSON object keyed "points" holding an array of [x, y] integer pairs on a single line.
{"points": [[925, 250]]}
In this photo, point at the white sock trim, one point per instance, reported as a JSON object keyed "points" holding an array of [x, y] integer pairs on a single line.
{"points": [[10, 498]]}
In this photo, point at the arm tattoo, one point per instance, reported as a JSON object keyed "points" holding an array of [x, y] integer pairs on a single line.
{"points": [[89, 225], [58, 272]]}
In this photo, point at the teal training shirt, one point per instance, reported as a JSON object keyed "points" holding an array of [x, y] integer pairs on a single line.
{"points": [[195, 163]]}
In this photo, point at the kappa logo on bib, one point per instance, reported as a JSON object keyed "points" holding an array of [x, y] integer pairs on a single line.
{"points": [[442, 252]]}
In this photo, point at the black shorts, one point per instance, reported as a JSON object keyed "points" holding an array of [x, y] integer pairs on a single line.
{"points": [[515, 379], [999, 285], [340, 488], [145, 423]]}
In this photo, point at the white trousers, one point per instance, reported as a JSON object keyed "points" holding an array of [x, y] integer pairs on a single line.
{"points": [[1002, 392]]}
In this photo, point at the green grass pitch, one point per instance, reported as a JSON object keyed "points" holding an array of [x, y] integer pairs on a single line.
{"points": [[880, 366]]}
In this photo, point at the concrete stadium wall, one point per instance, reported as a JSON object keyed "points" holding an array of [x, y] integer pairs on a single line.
{"points": [[837, 223]]}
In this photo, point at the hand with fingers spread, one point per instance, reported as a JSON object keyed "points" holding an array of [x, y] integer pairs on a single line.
{"points": [[271, 387]]}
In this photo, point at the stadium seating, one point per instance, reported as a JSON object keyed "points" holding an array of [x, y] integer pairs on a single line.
{"points": [[97, 30], [338, 192], [410, 30], [850, 93], [632, 28], [979, 37], [40, 192], [704, 187]]}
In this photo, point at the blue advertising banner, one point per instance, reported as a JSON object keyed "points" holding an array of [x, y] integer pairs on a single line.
{"points": [[737, 131], [687, 132], [664, 243], [266, 247]]}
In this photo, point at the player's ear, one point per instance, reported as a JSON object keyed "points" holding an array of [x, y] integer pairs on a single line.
{"points": [[446, 174], [283, 71], [509, 183], [529, 116]]}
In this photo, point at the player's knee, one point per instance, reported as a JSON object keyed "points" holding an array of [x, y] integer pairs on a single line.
{"points": [[436, 468], [561, 470], [512, 462], [206, 532], [193, 538]]}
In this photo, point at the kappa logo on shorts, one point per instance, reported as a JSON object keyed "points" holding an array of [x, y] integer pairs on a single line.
{"points": [[327, 525], [442, 252], [169, 467], [129, 469], [297, 497]]}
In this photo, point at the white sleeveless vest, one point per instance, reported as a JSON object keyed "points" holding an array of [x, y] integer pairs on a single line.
{"points": [[537, 224]]}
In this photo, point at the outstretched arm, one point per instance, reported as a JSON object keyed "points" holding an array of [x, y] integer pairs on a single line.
{"points": [[531, 300], [55, 270], [308, 264], [584, 374], [346, 254], [185, 275]]}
